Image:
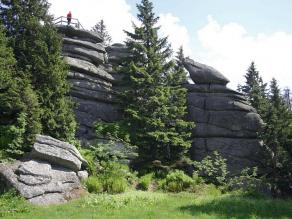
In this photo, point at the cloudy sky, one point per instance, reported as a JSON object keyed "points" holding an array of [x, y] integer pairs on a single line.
{"points": [[226, 34]]}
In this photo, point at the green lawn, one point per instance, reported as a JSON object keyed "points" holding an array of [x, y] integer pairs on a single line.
{"points": [[136, 205]]}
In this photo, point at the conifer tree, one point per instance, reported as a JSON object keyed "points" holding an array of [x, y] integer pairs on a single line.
{"points": [[157, 124], [100, 28], [255, 89], [19, 108], [37, 49], [277, 136]]}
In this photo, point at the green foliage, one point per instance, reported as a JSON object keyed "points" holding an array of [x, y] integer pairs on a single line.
{"points": [[37, 49], [12, 137], [206, 190], [177, 181], [93, 184], [255, 89], [277, 136], [249, 183], [114, 177], [154, 109], [277, 132], [145, 181], [100, 28], [213, 169], [120, 201], [12, 204], [111, 178], [19, 108]]}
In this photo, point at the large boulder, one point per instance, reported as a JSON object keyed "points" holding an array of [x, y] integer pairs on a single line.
{"points": [[48, 175], [92, 77], [225, 121], [57, 152], [204, 74]]}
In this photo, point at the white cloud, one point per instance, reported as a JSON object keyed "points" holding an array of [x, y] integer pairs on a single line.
{"points": [[177, 33], [116, 14], [118, 17], [230, 49]]}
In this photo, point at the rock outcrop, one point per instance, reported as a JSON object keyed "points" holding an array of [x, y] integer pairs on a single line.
{"points": [[49, 174], [91, 78], [225, 121]]}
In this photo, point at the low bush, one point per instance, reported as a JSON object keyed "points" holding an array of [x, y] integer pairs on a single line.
{"points": [[115, 177], [114, 185], [145, 181], [249, 184], [94, 185], [177, 181], [213, 169]]}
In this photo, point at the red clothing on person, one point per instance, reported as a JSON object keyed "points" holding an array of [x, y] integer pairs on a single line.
{"points": [[69, 17]]}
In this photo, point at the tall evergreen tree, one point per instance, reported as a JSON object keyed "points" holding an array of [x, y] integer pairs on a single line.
{"points": [[19, 108], [100, 28], [157, 125], [37, 49], [277, 136], [254, 89]]}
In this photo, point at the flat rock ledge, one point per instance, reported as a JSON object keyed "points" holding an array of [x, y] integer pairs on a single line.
{"points": [[50, 174]]}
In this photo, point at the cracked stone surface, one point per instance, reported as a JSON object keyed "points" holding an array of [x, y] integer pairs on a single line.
{"points": [[44, 179], [225, 121]]}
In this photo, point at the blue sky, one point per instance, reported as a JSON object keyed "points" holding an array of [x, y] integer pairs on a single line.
{"points": [[258, 15], [226, 34]]}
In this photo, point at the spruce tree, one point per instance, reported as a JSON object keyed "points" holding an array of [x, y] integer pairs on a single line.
{"points": [[102, 30], [157, 125], [19, 108], [254, 89], [37, 49], [277, 136]]}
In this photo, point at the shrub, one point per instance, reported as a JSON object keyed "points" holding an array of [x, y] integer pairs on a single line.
{"points": [[114, 184], [177, 181], [213, 169], [115, 177], [93, 185], [249, 183], [145, 181]]}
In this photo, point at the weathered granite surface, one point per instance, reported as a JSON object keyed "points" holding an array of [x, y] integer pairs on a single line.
{"points": [[225, 121], [92, 78], [48, 175]]}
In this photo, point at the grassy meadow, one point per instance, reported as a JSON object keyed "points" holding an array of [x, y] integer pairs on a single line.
{"points": [[138, 204]]}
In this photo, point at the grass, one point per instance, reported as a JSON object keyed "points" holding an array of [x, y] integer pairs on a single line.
{"points": [[138, 204]]}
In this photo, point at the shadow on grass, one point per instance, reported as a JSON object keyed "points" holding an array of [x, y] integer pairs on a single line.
{"points": [[242, 207]]}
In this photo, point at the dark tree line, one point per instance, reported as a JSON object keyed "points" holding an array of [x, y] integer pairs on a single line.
{"points": [[275, 110], [33, 77]]}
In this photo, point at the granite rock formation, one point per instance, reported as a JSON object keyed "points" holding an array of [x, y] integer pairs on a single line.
{"points": [[225, 121], [92, 79], [48, 175]]}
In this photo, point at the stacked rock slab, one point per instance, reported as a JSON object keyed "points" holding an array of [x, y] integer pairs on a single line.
{"points": [[50, 174], [225, 122], [92, 85]]}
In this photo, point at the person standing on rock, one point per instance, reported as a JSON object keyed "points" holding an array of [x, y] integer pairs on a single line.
{"points": [[69, 17]]}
